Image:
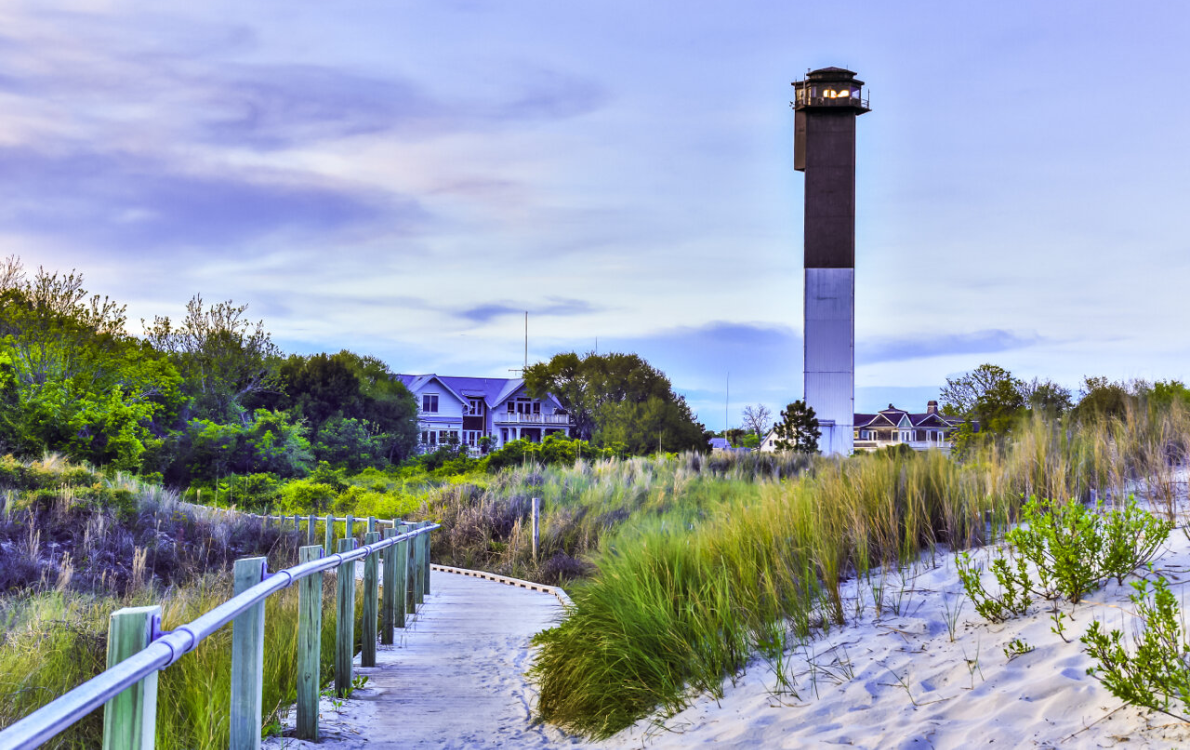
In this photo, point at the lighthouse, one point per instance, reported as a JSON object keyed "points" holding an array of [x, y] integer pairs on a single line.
{"points": [[825, 106]]}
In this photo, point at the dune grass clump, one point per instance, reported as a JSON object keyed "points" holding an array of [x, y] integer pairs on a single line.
{"points": [[675, 609]]}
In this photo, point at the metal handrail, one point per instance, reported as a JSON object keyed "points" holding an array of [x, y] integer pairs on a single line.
{"points": [[62, 712]]}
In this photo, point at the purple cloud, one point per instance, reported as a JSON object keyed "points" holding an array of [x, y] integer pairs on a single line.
{"points": [[124, 198]]}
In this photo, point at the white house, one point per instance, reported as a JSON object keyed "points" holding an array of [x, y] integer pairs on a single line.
{"points": [[467, 409], [892, 426]]}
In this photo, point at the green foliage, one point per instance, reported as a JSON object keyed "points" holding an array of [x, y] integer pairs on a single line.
{"points": [[618, 398], [797, 429], [1063, 540], [1102, 399], [1047, 398], [555, 450], [1156, 672], [223, 358], [1017, 647], [1075, 548], [1013, 599], [360, 414]]}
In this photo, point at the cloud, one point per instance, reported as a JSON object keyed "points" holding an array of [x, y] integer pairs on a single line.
{"points": [[875, 351], [136, 202], [557, 307]]}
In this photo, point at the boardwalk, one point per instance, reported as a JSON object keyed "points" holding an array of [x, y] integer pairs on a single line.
{"points": [[455, 678]]}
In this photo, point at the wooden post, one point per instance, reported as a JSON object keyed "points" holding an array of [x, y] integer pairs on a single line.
{"points": [[419, 556], [410, 559], [247, 660], [130, 719], [536, 525], [345, 627], [402, 580], [309, 676], [426, 583], [350, 531], [388, 593], [371, 524], [310, 536], [371, 580], [330, 534]]}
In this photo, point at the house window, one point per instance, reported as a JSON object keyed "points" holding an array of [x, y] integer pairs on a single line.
{"points": [[536, 407], [474, 406], [511, 407], [429, 402], [429, 437]]}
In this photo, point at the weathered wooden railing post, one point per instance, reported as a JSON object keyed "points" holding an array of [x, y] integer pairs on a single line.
{"points": [[410, 565], [371, 580], [388, 592], [403, 590], [371, 524], [330, 535], [350, 531], [129, 719], [536, 526], [310, 536], [419, 561], [426, 583], [309, 666], [345, 627], [247, 660]]}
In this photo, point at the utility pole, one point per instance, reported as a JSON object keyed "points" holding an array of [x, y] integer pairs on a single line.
{"points": [[727, 406]]}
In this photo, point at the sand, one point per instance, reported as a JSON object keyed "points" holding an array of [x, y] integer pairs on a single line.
{"points": [[907, 674], [897, 678]]}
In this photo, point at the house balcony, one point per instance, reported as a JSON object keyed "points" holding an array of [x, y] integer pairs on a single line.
{"points": [[917, 445], [532, 420]]}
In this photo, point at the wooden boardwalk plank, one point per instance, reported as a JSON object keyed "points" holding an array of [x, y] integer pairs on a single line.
{"points": [[454, 678]]}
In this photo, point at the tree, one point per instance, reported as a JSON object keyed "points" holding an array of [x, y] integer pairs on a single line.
{"points": [[757, 418], [988, 393], [223, 358], [961, 395], [1102, 399], [1047, 397], [798, 429], [618, 398], [74, 379]]}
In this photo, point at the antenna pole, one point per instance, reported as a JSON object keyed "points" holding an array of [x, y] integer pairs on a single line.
{"points": [[526, 339], [727, 405]]}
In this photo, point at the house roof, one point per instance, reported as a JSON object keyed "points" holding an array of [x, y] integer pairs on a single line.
{"points": [[493, 391], [720, 444], [893, 417]]}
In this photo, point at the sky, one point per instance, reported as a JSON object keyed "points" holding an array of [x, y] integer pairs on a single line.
{"points": [[407, 179]]}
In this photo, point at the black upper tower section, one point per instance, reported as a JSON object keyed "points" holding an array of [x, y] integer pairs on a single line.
{"points": [[826, 104]]}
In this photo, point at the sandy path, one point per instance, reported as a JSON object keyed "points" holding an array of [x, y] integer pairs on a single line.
{"points": [[455, 679]]}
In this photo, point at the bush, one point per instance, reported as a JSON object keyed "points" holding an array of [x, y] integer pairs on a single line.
{"points": [[1014, 598], [1157, 672]]}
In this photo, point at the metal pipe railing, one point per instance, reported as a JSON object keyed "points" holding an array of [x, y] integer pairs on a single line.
{"points": [[166, 648]]}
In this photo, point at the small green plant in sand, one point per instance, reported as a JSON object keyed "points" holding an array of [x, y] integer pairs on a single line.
{"points": [[1013, 598], [1156, 673], [1017, 647]]}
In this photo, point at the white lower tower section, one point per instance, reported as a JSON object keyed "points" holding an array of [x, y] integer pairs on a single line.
{"points": [[830, 355]]}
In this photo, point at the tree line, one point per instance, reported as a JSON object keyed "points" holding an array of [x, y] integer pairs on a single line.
{"points": [[209, 395]]}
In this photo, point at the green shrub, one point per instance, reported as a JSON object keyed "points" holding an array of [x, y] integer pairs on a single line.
{"points": [[1075, 548], [1063, 540], [1014, 598], [1156, 673]]}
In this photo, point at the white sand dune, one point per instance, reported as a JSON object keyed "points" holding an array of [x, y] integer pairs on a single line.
{"points": [[895, 678]]}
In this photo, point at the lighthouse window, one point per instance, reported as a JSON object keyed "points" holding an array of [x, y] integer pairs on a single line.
{"points": [[844, 94]]}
